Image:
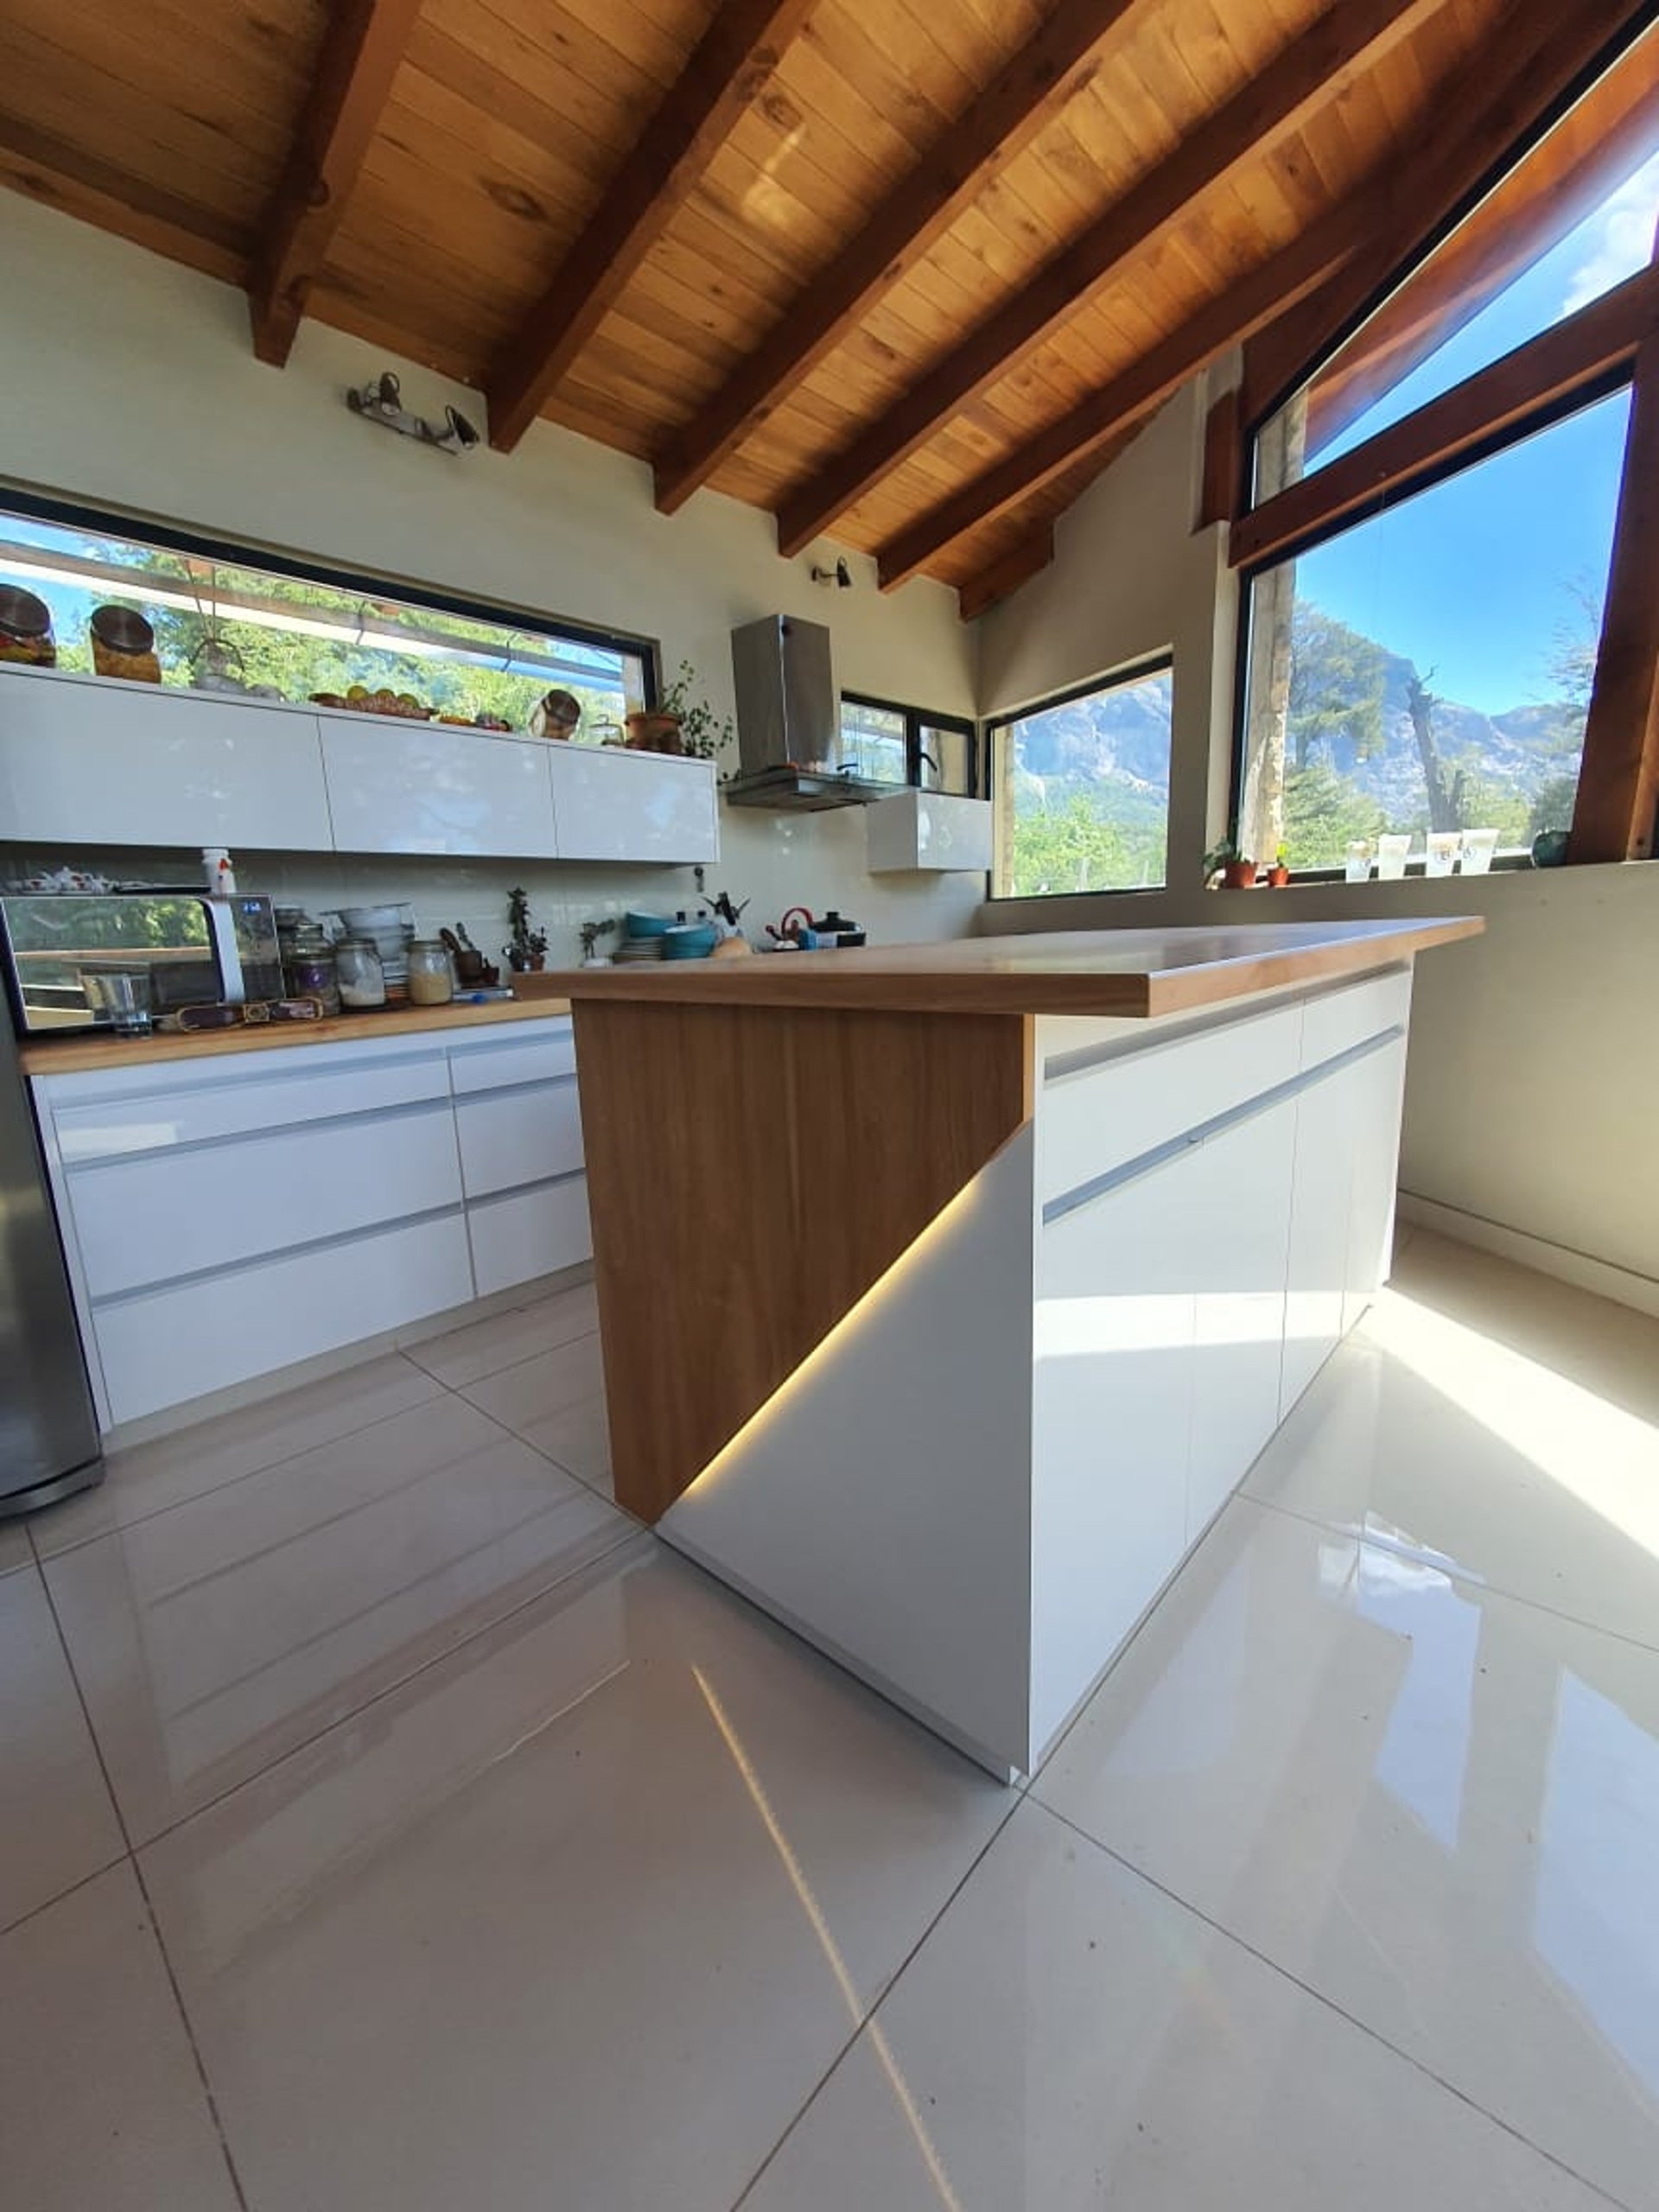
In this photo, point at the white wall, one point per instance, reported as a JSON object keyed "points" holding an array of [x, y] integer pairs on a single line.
{"points": [[1534, 1063], [130, 383]]}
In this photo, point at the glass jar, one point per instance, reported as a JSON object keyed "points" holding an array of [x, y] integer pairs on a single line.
{"points": [[431, 979], [362, 979], [312, 972], [26, 629]]}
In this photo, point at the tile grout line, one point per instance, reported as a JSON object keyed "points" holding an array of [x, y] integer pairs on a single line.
{"points": [[507, 1366], [1017, 1797], [185, 2021], [1330, 2004], [1467, 1578]]}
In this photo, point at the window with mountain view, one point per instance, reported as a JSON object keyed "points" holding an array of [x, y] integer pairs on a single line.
{"points": [[1425, 603], [1082, 789]]}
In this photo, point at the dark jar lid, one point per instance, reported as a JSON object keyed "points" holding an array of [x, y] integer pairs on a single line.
{"points": [[23, 615], [123, 630]]}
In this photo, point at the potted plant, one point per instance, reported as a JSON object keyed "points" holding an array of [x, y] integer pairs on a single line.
{"points": [[1279, 874], [590, 933], [1225, 860], [526, 947], [684, 723]]}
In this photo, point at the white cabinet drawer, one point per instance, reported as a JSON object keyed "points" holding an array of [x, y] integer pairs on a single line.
{"points": [[159, 1216], [1095, 1119], [162, 1347], [420, 787], [107, 763], [512, 1137], [1337, 1020], [613, 805], [524, 1234], [163, 1119], [537, 1058]]}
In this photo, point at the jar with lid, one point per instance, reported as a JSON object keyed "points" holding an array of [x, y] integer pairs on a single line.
{"points": [[26, 629], [362, 979], [431, 979], [123, 645], [313, 974]]}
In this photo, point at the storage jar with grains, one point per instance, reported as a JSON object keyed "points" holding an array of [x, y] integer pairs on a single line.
{"points": [[431, 979], [362, 979]]}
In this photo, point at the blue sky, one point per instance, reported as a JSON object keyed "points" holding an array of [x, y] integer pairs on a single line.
{"points": [[1477, 579]]}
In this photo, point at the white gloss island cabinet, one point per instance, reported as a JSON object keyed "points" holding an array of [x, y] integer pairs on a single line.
{"points": [[92, 761], [224, 1218]]}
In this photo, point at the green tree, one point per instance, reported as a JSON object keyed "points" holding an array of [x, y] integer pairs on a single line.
{"points": [[1076, 846], [1337, 681], [1323, 814]]}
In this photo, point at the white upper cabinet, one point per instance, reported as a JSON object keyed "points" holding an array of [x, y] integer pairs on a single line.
{"points": [[928, 830], [85, 760], [610, 804], [428, 787]]}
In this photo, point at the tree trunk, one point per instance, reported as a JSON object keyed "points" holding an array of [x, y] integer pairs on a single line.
{"points": [[1442, 803]]}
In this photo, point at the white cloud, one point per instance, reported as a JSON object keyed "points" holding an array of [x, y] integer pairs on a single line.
{"points": [[1617, 239]]}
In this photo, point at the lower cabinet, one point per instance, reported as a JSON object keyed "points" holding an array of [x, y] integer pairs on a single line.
{"points": [[224, 1218]]}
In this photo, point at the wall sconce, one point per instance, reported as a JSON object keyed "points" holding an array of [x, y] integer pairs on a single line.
{"points": [[840, 575], [381, 401]]}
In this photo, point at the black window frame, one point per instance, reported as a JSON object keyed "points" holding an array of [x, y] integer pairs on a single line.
{"points": [[1159, 663], [70, 514], [916, 720]]}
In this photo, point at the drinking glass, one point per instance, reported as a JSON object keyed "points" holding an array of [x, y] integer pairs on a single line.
{"points": [[1442, 851], [1359, 867], [1391, 852], [1478, 846]]}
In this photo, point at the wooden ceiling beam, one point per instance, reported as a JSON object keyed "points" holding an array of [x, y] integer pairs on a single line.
{"points": [[1613, 815], [730, 67], [1050, 69], [1571, 362], [361, 50], [1350, 34], [1501, 102], [1548, 54], [1002, 577], [1120, 406]]}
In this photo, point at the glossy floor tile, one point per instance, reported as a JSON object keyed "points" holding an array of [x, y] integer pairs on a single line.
{"points": [[579, 1915], [211, 1638], [1433, 1804], [529, 1397], [148, 1477], [57, 1822], [1068, 2037], [579, 1439], [482, 1348], [15, 1550], [1428, 1437], [101, 2104]]}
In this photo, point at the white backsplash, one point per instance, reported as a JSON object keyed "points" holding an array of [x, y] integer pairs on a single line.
{"points": [[773, 861]]}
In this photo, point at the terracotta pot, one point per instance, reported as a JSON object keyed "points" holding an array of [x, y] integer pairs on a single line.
{"points": [[654, 733], [1239, 875], [1278, 876]]}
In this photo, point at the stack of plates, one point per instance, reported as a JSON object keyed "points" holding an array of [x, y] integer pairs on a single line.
{"points": [[636, 948]]}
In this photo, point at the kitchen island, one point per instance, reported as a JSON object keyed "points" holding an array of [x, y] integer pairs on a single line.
{"points": [[947, 1291]]}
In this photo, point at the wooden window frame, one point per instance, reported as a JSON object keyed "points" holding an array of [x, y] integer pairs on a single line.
{"points": [[1609, 345], [1160, 664]]}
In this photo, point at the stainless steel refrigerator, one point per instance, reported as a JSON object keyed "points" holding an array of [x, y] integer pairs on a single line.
{"points": [[48, 1433]]}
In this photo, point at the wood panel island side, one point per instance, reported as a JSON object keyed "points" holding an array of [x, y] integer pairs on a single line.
{"points": [[948, 1290]]}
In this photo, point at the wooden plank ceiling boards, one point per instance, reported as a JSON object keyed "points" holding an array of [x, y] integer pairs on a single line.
{"points": [[908, 270]]}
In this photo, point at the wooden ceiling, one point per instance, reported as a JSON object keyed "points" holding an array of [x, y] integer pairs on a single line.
{"points": [[904, 271]]}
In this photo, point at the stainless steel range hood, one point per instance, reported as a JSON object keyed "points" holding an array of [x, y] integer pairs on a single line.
{"points": [[788, 721]]}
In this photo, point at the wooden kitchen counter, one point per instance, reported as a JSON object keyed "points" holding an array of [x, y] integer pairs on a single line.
{"points": [[73, 1053], [1137, 973]]}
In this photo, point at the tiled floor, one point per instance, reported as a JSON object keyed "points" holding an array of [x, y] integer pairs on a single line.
{"points": [[388, 1822]]}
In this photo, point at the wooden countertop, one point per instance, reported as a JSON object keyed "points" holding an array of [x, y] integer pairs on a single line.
{"points": [[1138, 973], [73, 1053]]}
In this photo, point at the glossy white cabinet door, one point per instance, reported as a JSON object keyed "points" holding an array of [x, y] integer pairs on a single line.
{"points": [[930, 830], [93, 762], [422, 787], [509, 1138], [1112, 1384], [1326, 1113], [1380, 1086], [1237, 1186], [521, 1235], [610, 804]]}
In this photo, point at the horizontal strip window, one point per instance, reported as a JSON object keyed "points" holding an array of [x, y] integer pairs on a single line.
{"points": [[886, 741]]}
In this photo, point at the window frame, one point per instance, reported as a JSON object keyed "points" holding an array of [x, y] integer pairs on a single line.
{"points": [[143, 530], [1162, 662], [916, 720]]}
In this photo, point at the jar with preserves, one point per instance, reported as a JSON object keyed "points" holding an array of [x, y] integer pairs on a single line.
{"points": [[431, 979], [123, 645], [362, 979], [26, 629]]}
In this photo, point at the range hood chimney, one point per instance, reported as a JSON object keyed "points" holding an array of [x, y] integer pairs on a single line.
{"points": [[788, 721]]}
